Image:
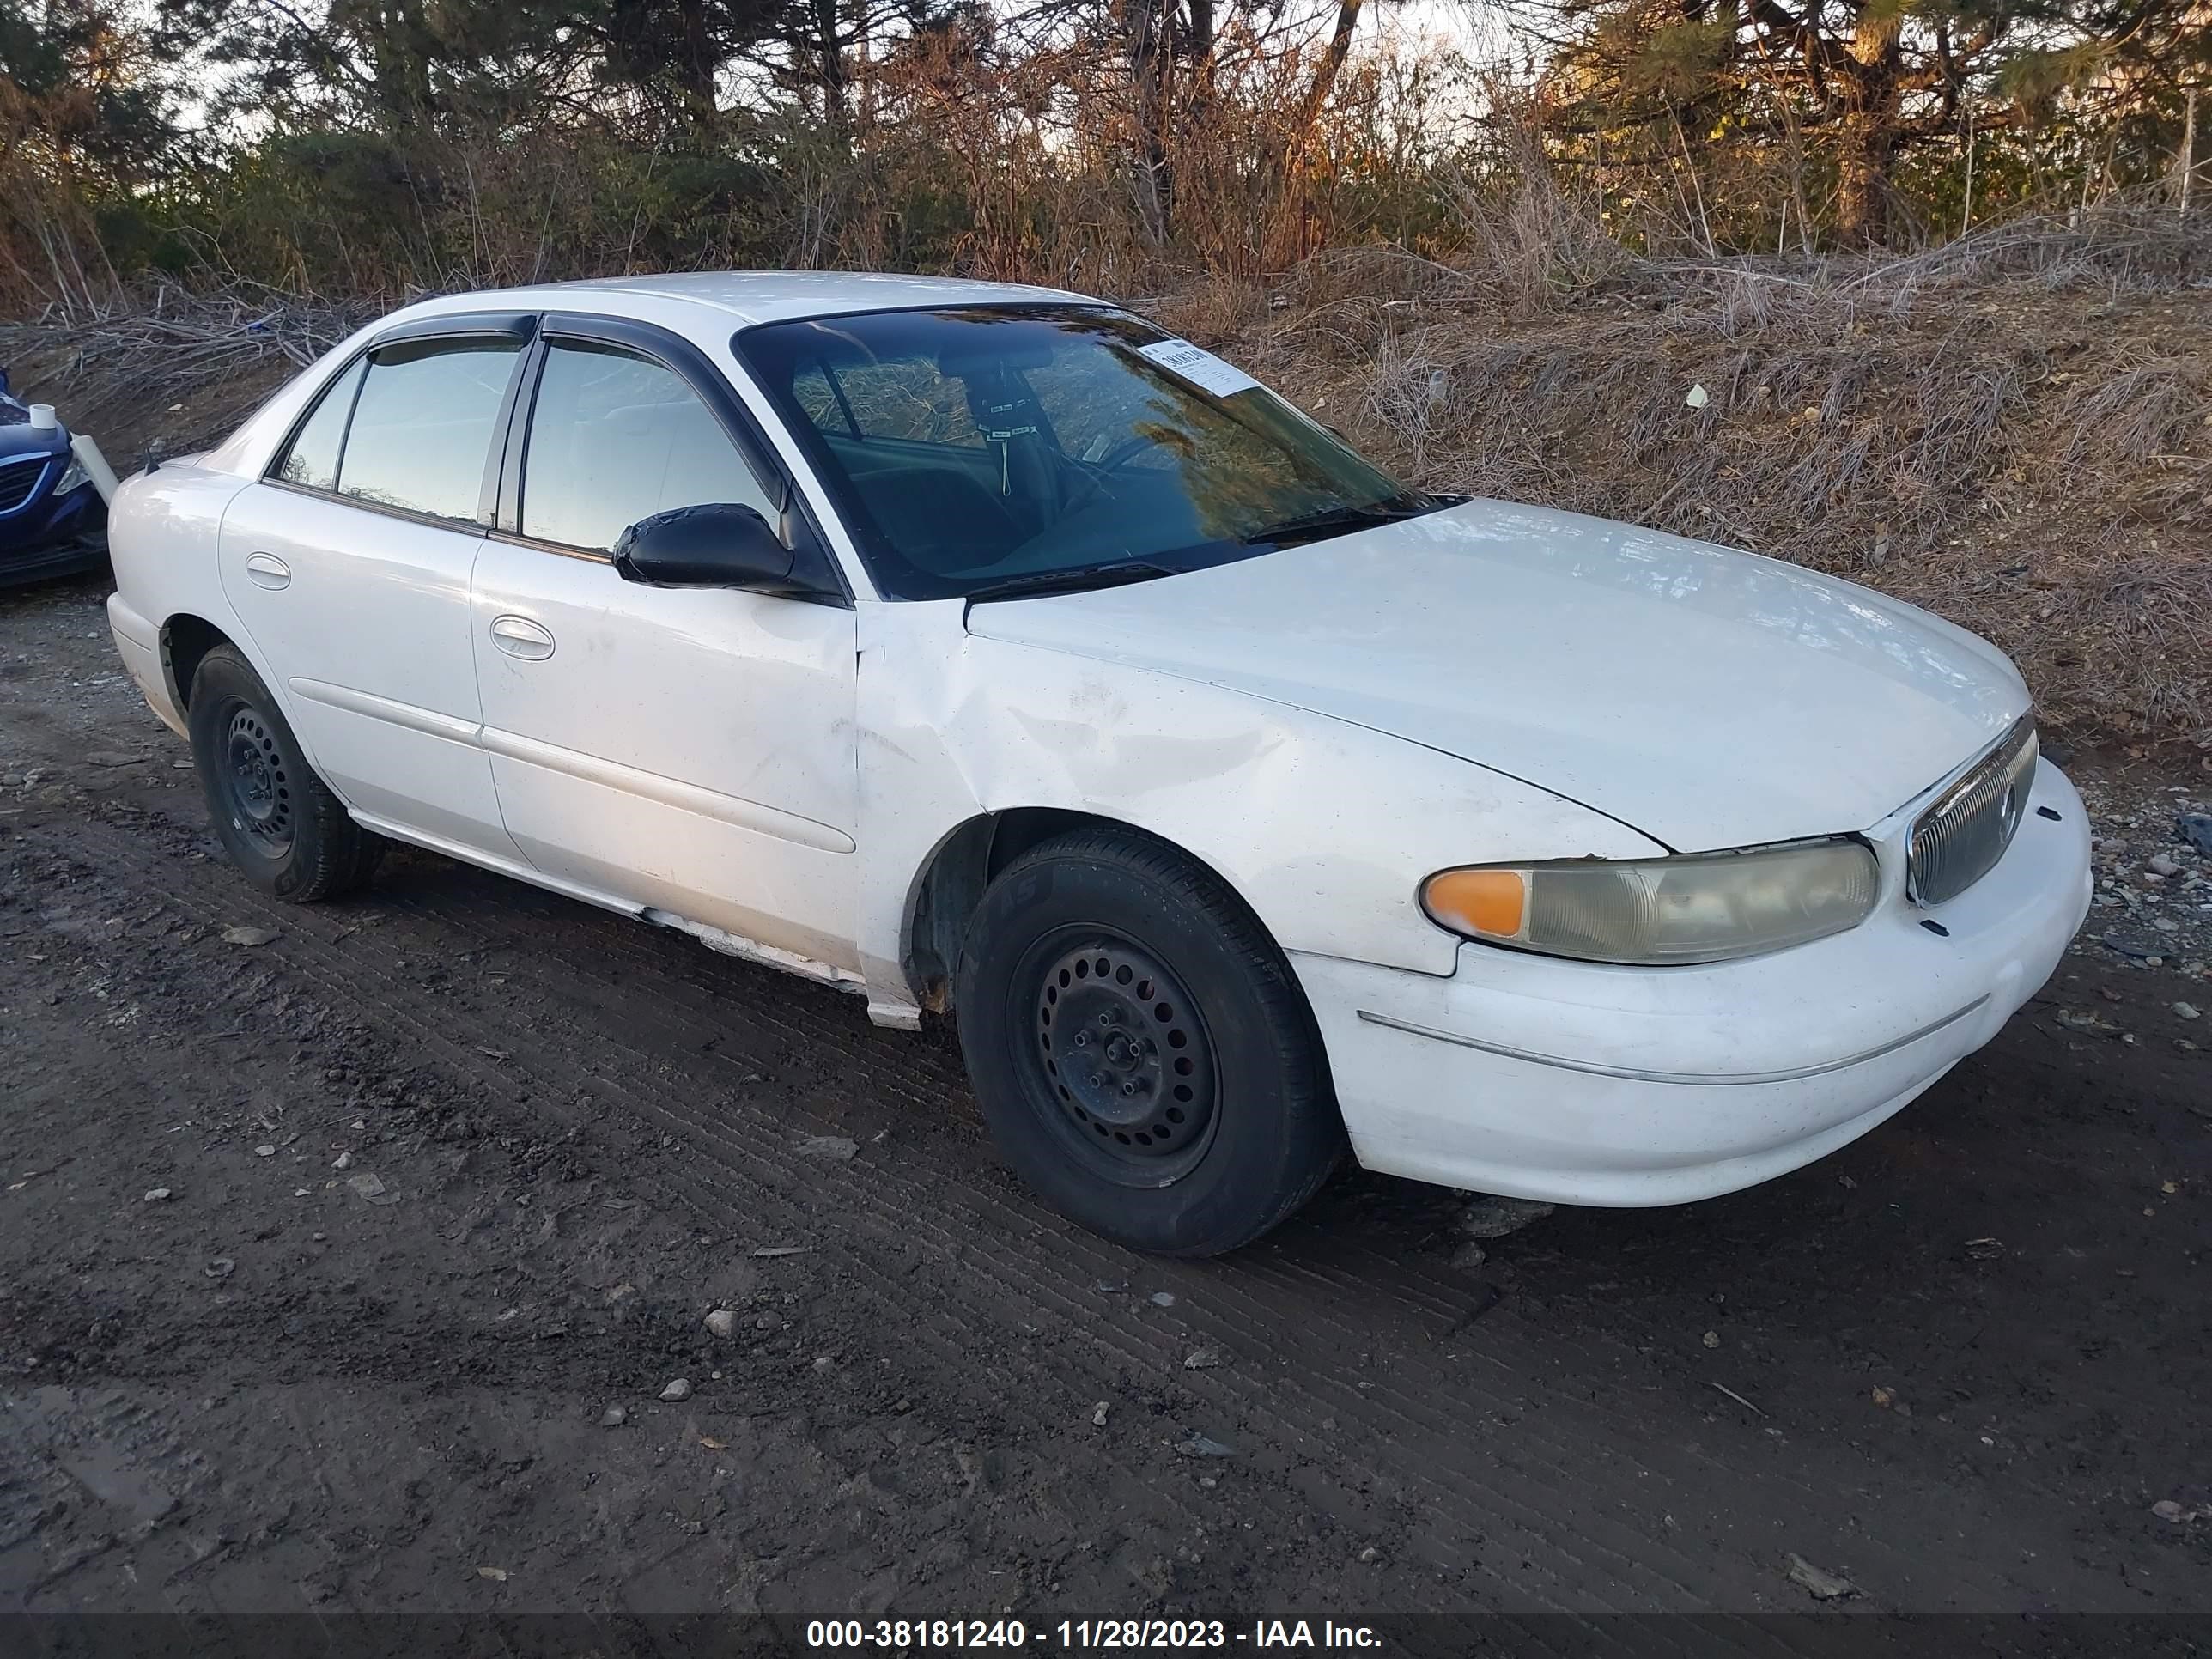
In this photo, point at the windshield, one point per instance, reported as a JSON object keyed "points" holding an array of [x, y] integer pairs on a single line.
{"points": [[1037, 448]]}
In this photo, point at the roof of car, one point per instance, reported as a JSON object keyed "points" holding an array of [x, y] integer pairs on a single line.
{"points": [[768, 296]]}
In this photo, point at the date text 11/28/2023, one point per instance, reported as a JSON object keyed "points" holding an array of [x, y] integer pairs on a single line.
{"points": [[1073, 1635]]}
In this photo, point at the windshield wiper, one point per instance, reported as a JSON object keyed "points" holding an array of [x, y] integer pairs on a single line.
{"points": [[1329, 521], [1076, 580]]}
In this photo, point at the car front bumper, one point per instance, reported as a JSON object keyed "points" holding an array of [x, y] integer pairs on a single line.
{"points": [[1580, 1083], [52, 535]]}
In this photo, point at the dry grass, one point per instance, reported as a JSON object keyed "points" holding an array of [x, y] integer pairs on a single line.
{"points": [[2014, 431]]}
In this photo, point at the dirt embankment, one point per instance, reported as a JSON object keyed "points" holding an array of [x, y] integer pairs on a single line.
{"points": [[2016, 433]]}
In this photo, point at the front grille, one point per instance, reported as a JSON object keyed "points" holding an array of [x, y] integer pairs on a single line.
{"points": [[1959, 839], [18, 479]]}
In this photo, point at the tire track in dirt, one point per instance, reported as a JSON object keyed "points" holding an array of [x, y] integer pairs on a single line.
{"points": [[209, 898], [397, 993], [211, 903], [1397, 1419], [993, 1220], [447, 1369], [1417, 1436]]}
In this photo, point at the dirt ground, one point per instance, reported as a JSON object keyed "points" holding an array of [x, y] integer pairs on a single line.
{"points": [[326, 1262]]}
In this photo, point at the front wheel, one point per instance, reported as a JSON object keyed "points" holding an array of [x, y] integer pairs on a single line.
{"points": [[279, 822], [1141, 1052]]}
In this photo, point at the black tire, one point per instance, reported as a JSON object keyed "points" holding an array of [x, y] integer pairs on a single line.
{"points": [[1203, 1116], [277, 820]]}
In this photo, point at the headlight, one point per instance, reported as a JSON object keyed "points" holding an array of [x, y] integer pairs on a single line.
{"points": [[1704, 906], [72, 475]]}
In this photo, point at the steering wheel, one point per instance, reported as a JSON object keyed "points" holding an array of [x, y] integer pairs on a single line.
{"points": [[1095, 473], [1128, 449]]}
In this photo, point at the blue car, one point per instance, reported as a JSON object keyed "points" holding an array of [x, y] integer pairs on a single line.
{"points": [[53, 519]]}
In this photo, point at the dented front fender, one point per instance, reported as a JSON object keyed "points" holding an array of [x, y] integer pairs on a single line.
{"points": [[1324, 828]]}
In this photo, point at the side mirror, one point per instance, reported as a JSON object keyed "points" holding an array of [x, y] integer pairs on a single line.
{"points": [[721, 545]]}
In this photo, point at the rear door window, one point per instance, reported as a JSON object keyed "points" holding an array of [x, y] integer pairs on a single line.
{"points": [[615, 437], [422, 425]]}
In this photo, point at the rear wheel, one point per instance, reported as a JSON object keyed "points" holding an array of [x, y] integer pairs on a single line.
{"points": [[1142, 1053], [277, 820]]}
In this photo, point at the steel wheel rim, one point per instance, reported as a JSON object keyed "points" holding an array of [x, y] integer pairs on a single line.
{"points": [[1119, 1053], [256, 784]]}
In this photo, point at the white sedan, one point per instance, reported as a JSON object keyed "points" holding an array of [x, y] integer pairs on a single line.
{"points": [[985, 650]]}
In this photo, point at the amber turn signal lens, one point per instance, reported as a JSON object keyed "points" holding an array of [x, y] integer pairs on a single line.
{"points": [[1492, 902]]}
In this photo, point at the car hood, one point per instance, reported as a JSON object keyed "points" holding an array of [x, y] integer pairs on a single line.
{"points": [[1707, 697], [19, 437]]}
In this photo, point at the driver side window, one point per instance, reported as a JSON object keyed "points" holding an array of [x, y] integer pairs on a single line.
{"points": [[615, 437]]}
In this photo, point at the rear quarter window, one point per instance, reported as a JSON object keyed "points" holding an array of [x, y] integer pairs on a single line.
{"points": [[312, 459]]}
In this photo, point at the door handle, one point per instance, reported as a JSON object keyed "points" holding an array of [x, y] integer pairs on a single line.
{"points": [[519, 636], [267, 570]]}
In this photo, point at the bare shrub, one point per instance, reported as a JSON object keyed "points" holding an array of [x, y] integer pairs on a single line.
{"points": [[125, 363], [1525, 240], [1408, 393]]}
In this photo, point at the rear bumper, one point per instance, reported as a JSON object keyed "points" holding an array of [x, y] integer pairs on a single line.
{"points": [[1583, 1084], [138, 643]]}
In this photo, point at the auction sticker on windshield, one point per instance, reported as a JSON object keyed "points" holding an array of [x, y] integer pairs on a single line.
{"points": [[1200, 367]]}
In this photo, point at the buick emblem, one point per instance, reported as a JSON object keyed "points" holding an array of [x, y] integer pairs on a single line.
{"points": [[2008, 808]]}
